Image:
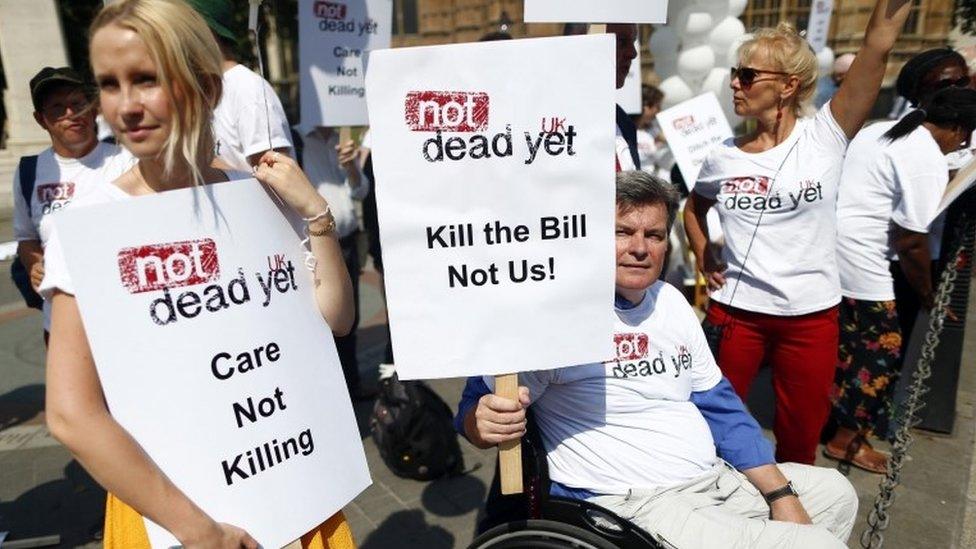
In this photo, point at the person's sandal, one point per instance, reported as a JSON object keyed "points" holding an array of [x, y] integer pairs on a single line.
{"points": [[858, 453]]}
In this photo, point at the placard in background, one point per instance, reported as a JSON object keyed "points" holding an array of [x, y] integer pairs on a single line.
{"points": [[494, 165], [213, 354], [590, 11], [818, 27], [691, 129], [333, 39]]}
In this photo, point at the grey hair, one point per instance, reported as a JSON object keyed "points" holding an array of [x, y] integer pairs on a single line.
{"points": [[639, 188]]}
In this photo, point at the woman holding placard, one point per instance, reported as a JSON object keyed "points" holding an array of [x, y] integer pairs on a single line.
{"points": [[158, 70], [775, 290]]}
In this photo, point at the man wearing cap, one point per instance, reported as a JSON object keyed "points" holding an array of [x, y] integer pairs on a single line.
{"points": [[74, 163], [249, 119]]}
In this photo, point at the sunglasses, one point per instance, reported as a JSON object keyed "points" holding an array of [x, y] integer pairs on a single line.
{"points": [[747, 75], [58, 111], [961, 82]]}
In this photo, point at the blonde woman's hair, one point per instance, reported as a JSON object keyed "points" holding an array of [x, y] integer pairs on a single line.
{"points": [[788, 52], [188, 63]]}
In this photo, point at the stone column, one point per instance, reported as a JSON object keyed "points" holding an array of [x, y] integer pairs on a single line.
{"points": [[30, 39]]}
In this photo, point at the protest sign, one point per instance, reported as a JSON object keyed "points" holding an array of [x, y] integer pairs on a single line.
{"points": [[629, 96], [588, 11], [495, 191], [213, 354], [963, 181], [333, 39], [692, 128], [819, 24]]}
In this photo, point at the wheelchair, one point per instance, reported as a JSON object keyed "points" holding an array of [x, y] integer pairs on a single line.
{"points": [[538, 520]]}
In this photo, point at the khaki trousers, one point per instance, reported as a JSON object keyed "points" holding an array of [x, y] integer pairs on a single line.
{"points": [[722, 509]]}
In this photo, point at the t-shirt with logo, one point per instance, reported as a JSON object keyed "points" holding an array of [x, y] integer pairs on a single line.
{"points": [[777, 212], [58, 183], [56, 275], [249, 118], [629, 422], [900, 182]]}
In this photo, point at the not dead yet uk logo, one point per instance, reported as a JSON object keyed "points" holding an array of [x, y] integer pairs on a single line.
{"points": [[468, 112], [189, 264]]}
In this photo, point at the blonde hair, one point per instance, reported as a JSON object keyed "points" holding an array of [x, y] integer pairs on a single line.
{"points": [[188, 63], [788, 52]]}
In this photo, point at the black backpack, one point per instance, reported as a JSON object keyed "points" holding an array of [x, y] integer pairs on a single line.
{"points": [[27, 170], [413, 429]]}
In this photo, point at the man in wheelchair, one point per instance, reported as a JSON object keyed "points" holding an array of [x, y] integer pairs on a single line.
{"points": [[657, 435]]}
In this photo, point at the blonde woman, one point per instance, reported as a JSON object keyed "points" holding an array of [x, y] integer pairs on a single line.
{"points": [[775, 290], [158, 71]]}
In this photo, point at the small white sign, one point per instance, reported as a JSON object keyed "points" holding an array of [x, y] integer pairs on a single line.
{"points": [[590, 11], [692, 128], [212, 353], [818, 26], [629, 96], [334, 37], [496, 203]]}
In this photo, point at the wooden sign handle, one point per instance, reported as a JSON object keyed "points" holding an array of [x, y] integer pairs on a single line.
{"points": [[345, 134], [509, 453]]}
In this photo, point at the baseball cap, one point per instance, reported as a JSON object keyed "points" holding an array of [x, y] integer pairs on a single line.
{"points": [[50, 77], [219, 15]]}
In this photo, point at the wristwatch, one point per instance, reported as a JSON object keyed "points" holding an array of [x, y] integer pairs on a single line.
{"points": [[787, 490]]}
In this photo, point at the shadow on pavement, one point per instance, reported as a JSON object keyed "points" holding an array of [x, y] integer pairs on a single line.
{"points": [[72, 506], [408, 529], [454, 496], [20, 405]]}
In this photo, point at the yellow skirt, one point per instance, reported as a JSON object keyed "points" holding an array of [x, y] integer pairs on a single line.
{"points": [[124, 529]]}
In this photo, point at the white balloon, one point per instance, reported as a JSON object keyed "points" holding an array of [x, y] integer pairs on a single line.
{"points": [[724, 34], [736, 7], [733, 58], [718, 9], [664, 45], [694, 64], [675, 91], [825, 60], [693, 25]]}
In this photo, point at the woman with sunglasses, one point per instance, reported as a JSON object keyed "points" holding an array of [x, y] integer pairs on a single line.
{"points": [[158, 90], [774, 292], [901, 174]]}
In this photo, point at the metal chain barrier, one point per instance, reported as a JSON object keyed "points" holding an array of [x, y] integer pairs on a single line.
{"points": [[879, 519]]}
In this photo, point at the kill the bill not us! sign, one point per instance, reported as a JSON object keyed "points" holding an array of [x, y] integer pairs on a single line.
{"points": [[213, 354], [496, 203]]}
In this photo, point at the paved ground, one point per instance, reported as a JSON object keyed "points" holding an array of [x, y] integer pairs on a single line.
{"points": [[43, 491]]}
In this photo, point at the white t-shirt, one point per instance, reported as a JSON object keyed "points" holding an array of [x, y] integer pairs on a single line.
{"points": [[241, 119], [901, 182], [60, 182], [790, 191], [321, 163], [56, 276], [629, 423]]}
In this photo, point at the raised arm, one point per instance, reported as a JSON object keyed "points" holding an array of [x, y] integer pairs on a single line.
{"points": [[853, 102], [333, 287], [77, 416]]}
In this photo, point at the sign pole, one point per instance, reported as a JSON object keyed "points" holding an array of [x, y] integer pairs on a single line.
{"points": [[509, 453]]}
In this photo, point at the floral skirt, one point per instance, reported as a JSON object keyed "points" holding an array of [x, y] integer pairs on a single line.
{"points": [[868, 364]]}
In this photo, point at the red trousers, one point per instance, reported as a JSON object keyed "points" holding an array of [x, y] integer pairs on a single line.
{"points": [[802, 351]]}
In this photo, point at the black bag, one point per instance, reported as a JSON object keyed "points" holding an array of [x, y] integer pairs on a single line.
{"points": [[413, 429], [27, 171]]}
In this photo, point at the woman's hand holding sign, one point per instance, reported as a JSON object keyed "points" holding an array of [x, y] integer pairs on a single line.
{"points": [[222, 536], [497, 419], [287, 179]]}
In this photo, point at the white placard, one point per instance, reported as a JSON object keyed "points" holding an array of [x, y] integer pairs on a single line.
{"points": [[629, 96], [213, 354], [590, 11], [495, 191], [818, 26], [963, 181], [333, 39], [692, 128]]}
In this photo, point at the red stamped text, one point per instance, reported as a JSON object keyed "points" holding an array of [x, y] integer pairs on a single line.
{"points": [[159, 266], [429, 111]]}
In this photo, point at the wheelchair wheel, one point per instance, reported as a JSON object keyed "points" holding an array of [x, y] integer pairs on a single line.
{"points": [[539, 534]]}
